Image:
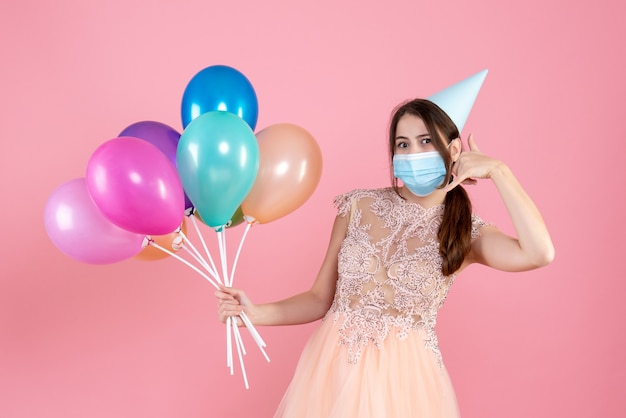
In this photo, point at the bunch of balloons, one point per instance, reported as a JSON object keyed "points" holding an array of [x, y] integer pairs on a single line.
{"points": [[143, 187], [148, 181]]}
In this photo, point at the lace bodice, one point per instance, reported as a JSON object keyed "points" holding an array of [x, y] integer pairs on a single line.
{"points": [[389, 269]]}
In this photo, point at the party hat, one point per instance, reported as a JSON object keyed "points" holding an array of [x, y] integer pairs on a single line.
{"points": [[458, 99]]}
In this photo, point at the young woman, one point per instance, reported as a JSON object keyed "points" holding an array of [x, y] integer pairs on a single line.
{"points": [[393, 255]]}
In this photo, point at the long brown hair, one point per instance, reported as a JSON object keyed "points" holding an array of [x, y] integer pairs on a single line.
{"points": [[455, 231]]}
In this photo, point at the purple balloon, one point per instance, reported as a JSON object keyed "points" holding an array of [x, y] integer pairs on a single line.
{"points": [[77, 227], [135, 186], [158, 134], [163, 136]]}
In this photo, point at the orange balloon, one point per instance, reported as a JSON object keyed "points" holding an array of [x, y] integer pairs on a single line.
{"points": [[150, 253], [290, 167]]}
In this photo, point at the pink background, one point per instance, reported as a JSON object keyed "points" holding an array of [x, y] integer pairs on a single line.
{"points": [[141, 339]]}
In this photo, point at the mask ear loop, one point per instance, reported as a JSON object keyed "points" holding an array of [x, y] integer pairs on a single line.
{"points": [[460, 151]]}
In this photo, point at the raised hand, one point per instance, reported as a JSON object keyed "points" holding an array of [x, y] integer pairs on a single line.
{"points": [[471, 165]]}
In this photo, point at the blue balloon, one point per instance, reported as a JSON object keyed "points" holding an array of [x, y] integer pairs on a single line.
{"points": [[217, 160], [220, 87]]}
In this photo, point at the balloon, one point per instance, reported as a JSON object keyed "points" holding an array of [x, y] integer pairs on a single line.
{"points": [[135, 186], [235, 220], [162, 136], [220, 87], [77, 227], [150, 253], [290, 168], [159, 134], [217, 159]]}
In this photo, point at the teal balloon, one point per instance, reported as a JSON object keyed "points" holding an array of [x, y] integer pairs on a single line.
{"points": [[217, 160]]}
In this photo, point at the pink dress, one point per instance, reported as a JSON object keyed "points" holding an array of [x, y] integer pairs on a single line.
{"points": [[375, 354]]}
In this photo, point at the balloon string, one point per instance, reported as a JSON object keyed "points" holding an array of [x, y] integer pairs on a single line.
{"points": [[221, 240], [229, 346], [206, 249], [238, 337], [198, 257], [230, 322], [240, 349], [202, 262], [255, 335], [243, 237], [187, 263]]}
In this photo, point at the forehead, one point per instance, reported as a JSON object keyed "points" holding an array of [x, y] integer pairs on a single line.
{"points": [[410, 126]]}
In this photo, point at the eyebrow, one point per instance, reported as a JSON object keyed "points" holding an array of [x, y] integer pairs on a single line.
{"points": [[417, 137]]}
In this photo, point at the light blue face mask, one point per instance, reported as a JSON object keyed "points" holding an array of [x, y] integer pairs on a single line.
{"points": [[421, 173]]}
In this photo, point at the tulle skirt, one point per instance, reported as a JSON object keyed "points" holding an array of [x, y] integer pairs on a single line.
{"points": [[401, 379]]}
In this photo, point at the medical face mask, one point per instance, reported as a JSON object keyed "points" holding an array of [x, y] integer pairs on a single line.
{"points": [[421, 173]]}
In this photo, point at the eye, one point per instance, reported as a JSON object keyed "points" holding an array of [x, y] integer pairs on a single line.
{"points": [[425, 141], [402, 144]]}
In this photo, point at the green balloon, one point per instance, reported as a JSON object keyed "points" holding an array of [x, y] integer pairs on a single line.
{"points": [[236, 219]]}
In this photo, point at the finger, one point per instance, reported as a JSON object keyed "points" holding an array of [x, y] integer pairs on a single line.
{"points": [[452, 185], [223, 296], [233, 311], [231, 302], [226, 289], [454, 168], [472, 143], [231, 291], [224, 312], [223, 315]]}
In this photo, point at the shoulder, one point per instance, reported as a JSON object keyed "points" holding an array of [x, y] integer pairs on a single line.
{"points": [[345, 201], [477, 225]]}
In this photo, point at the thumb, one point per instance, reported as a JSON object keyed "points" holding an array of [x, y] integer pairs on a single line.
{"points": [[472, 143], [228, 292], [452, 185]]}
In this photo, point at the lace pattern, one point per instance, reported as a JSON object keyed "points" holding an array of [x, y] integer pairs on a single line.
{"points": [[389, 270]]}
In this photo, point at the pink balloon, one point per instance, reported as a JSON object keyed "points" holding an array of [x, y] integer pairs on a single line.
{"points": [[77, 228], [135, 186]]}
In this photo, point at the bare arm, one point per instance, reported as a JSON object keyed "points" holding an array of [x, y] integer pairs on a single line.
{"points": [[533, 246], [298, 309]]}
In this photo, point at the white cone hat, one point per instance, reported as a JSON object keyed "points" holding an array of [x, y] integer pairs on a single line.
{"points": [[458, 99]]}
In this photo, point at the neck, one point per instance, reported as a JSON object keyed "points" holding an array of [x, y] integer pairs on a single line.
{"points": [[435, 198]]}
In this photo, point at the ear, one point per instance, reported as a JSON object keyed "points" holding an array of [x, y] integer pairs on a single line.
{"points": [[455, 146]]}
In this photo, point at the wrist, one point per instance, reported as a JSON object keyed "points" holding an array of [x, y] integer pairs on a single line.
{"points": [[261, 315], [499, 170]]}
